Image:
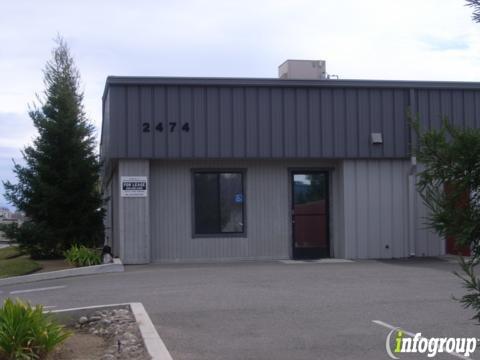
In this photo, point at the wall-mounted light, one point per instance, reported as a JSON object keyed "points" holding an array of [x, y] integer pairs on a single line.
{"points": [[376, 138]]}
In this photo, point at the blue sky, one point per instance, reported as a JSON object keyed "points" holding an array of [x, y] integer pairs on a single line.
{"points": [[369, 39]]}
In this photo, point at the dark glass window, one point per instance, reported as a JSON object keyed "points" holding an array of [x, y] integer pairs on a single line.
{"points": [[219, 203]]}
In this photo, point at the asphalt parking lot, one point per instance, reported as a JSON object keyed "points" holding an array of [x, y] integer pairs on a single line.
{"points": [[273, 310]]}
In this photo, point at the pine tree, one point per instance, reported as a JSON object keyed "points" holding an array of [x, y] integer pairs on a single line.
{"points": [[58, 187]]}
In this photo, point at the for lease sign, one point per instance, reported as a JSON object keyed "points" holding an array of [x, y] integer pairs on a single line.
{"points": [[133, 186]]}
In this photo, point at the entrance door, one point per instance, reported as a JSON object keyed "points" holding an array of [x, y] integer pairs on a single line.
{"points": [[310, 214]]}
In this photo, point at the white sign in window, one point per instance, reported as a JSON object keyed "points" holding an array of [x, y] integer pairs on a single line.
{"points": [[133, 186]]}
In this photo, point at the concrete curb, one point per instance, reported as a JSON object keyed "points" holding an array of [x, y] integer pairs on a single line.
{"points": [[153, 342], [116, 266]]}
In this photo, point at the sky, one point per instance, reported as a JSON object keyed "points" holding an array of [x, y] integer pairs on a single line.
{"points": [[368, 39]]}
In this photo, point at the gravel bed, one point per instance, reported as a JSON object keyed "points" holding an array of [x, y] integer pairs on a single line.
{"points": [[120, 331]]}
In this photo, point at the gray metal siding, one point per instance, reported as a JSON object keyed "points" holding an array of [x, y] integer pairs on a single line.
{"points": [[375, 203], [134, 217], [267, 211], [460, 107], [256, 122], [427, 242], [115, 215]]}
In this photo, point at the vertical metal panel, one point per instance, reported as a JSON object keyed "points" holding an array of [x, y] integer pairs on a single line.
{"points": [[469, 108], [133, 121], [118, 121], [458, 117], [351, 248], [146, 117], [105, 143], [364, 126], [446, 104], [339, 122], [159, 115], [314, 130], [351, 122], [172, 122], [399, 212], [186, 119], [385, 192], [376, 151], [388, 130], [251, 122], [134, 217], [362, 196], [238, 108], [290, 134], [108, 219], [199, 124], [226, 123], [213, 123], [264, 123], [337, 219], [427, 242], [477, 109], [374, 219], [375, 198], [400, 125], [277, 123], [423, 107], [326, 111], [434, 109], [301, 123], [115, 215]]}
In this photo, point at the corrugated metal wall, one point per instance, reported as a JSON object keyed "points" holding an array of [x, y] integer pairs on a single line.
{"points": [[369, 212], [267, 211], [461, 107], [115, 215], [377, 212], [255, 122], [134, 217], [108, 219], [427, 242], [376, 208]]}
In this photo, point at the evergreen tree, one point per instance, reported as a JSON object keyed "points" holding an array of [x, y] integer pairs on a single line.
{"points": [[450, 187], [58, 187]]}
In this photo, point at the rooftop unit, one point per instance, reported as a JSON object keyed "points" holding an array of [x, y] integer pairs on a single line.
{"points": [[303, 69]]}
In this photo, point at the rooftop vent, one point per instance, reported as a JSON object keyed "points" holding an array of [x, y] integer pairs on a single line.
{"points": [[303, 69]]}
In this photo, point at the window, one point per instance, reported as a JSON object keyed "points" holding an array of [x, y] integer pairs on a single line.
{"points": [[219, 203]]}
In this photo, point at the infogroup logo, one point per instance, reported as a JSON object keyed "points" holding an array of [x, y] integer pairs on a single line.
{"points": [[463, 347]]}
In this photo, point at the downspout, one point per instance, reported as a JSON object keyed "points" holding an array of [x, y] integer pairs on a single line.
{"points": [[412, 181]]}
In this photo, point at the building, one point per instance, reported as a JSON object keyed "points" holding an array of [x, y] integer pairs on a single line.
{"points": [[200, 169], [5, 213]]}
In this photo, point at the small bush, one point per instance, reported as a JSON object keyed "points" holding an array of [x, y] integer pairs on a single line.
{"points": [[82, 256], [26, 332]]}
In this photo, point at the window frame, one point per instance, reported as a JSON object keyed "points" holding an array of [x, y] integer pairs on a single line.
{"points": [[243, 173]]}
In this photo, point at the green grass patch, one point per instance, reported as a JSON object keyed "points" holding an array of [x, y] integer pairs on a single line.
{"points": [[20, 265], [9, 252]]}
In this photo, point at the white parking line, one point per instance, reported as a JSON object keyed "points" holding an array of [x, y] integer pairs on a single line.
{"points": [[391, 327], [37, 289]]}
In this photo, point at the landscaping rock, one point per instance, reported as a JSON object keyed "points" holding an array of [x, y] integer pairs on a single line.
{"points": [[119, 328]]}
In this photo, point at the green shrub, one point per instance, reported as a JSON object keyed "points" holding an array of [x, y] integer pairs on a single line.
{"points": [[82, 256], [26, 332]]}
